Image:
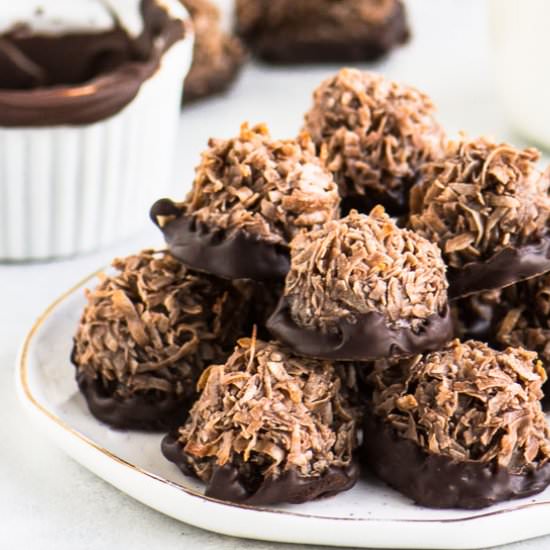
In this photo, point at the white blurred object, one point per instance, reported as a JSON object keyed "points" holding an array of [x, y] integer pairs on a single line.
{"points": [[520, 32]]}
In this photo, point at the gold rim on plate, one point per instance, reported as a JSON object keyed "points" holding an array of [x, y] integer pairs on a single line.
{"points": [[23, 379]]}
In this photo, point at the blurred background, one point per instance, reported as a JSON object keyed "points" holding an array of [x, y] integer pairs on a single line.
{"points": [[451, 56]]}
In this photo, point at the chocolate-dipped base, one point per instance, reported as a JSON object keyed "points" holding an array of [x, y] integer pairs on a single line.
{"points": [[506, 267], [291, 43], [228, 484], [138, 412], [474, 323], [438, 481], [230, 254], [367, 339]]}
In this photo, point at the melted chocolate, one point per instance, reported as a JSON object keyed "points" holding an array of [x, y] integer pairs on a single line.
{"points": [[227, 484], [80, 78], [233, 254], [34, 61], [141, 411], [367, 339], [438, 481], [508, 266]]}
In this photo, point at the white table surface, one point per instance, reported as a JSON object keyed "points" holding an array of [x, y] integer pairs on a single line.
{"points": [[47, 501]]}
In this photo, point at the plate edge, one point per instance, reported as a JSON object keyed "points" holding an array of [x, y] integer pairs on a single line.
{"points": [[26, 396]]}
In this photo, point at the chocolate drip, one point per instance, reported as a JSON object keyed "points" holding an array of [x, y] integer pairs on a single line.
{"points": [[233, 254], [508, 266], [368, 338], [227, 483], [80, 78], [438, 481], [30, 61]]}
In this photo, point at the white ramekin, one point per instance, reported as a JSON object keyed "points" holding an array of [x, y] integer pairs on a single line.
{"points": [[70, 189]]}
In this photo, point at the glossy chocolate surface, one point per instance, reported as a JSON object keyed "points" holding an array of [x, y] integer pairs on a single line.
{"points": [[73, 79], [367, 339], [232, 254], [438, 481]]}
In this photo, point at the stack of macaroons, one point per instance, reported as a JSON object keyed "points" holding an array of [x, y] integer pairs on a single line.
{"points": [[487, 205], [285, 343]]}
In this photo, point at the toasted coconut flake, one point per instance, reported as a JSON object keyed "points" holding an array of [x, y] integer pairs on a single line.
{"points": [[155, 325], [268, 188], [374, 134], [524, 318], [484, 191], [276, 410], [468, 402], [361, 264]]}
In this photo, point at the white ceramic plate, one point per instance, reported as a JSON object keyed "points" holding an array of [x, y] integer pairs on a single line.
{"points": [[370, 515]]}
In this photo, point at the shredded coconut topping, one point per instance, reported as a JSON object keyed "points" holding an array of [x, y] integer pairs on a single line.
{"points": [[468, 402], [480, 198], [155, 325], [268, 411], [527, 319], [269, 188], [361, 264], [374, 134]]}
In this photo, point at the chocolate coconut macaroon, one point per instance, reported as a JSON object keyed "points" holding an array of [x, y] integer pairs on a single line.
{"points": [[361, 289], [145, 336], [268, 427], [521, 317], [312, 31], [487, 206], [461, 427], [217, 56], [251, 195], [374, 135]]}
